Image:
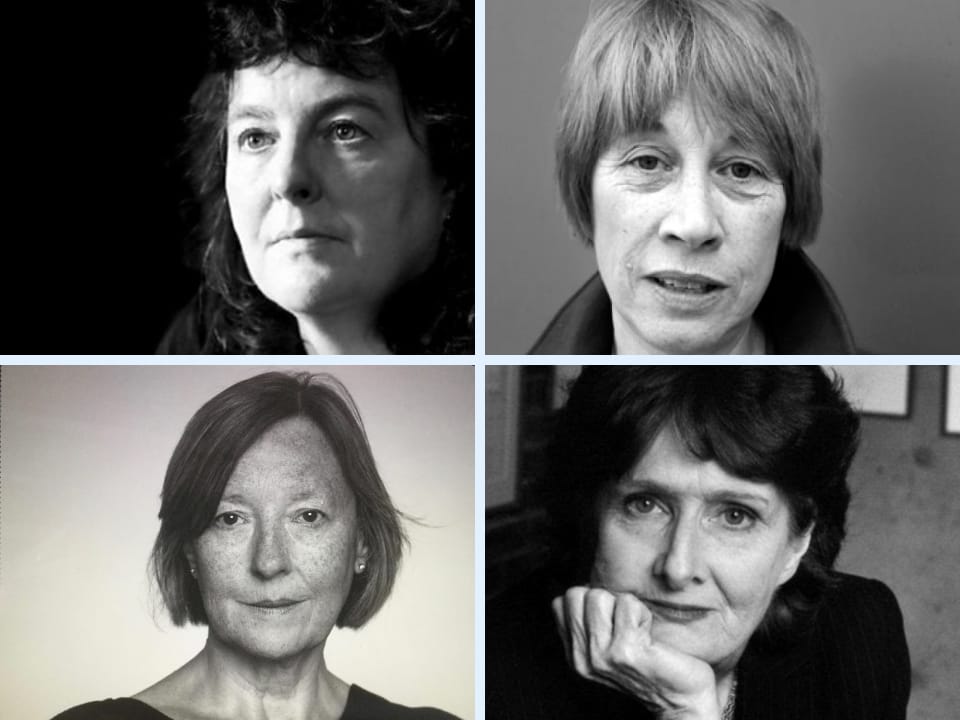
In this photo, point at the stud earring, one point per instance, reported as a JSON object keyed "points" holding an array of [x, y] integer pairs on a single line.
{"points": [[193, 571], [361, 566]]}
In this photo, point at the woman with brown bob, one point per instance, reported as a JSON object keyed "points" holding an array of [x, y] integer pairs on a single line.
{"points": [[697, 513], [275, 527], [689, 159], [332, 159]]}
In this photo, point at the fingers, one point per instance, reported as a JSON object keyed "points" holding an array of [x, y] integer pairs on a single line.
{"points": [[585, 619]]}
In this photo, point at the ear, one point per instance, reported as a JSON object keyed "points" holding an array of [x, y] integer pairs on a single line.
{"points": [[362, 554], [796, 549], [191, 555]]}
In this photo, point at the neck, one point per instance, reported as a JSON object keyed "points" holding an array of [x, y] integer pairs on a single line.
{"points": [[242, 686], [340, 336], [747, 340]]}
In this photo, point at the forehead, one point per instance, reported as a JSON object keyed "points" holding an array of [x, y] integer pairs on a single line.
{"points": [[669, 464], [282, 85], [292, 457]]}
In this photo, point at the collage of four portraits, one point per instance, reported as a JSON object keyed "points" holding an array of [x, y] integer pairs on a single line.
{"points": [[386, 369]]}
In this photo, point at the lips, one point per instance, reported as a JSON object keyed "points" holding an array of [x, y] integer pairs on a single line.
{"points": [[676, 612], [686, 283], [273, 604], [305, 233]]}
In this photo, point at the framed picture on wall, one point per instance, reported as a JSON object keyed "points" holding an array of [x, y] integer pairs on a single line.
{"points": [[881, 390], [951, 400]]}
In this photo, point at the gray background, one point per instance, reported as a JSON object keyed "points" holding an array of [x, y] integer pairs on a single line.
{"points": [[889, 242]]}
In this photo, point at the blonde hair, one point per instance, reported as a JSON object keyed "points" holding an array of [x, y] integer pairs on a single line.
{"points": [[742, 63]]}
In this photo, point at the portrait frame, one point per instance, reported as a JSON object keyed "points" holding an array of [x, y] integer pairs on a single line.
{"points": [[878, 390], [951, 400]]}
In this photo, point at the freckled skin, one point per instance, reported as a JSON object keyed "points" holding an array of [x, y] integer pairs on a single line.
{"points": [[354, 172], [683, 547], [278, 546], [684, 210]]}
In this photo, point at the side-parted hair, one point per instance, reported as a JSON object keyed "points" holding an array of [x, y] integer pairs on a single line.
{"points": [[208, 451], [427, 45], [787, 426], [741, 63]]}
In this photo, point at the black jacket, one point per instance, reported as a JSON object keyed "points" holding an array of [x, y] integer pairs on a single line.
{"points": [[853, 664], [799, 314]]}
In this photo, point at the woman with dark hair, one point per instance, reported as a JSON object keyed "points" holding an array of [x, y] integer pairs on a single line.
{"points": [[275, 527], [697, 513], [332, 158], [689, 159]]}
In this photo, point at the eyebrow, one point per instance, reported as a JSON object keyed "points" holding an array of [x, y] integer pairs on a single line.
{"points": [[722, 495], [239, 499], [325, 107]]}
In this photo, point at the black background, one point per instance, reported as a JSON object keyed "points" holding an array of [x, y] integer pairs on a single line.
{"points": [[98, 210]]}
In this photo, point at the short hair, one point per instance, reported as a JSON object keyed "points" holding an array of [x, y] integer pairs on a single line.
{"points": [[788, 426], [428, 46], [742, 63], [205, 458]]}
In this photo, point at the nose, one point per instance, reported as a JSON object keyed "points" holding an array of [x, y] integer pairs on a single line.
{"points": [[270, 552], [293, 175], [692, 217], [680, 562]]}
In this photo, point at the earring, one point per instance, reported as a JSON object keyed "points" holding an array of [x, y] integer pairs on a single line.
{"points": [[193, 571], [361, 566]]}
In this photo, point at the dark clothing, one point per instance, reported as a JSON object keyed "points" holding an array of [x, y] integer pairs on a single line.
{"points": [[361, 705], [799, 315], [853, 664]]}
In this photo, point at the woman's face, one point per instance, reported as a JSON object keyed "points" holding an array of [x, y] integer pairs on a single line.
{"points": [[703, 549], [686, 224], [334, 202], [276, 564]]}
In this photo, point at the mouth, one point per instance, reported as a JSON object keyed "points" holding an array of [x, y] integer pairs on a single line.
{"points": [[275, 606], [675, 612], [306, 233], [686, 284]]}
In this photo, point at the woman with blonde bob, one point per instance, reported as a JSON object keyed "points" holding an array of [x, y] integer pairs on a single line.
{"points": [[689, 159], [275, 527]]}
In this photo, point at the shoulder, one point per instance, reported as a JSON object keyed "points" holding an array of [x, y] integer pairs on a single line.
{"points": [[527, 675], [584, 325], [112, 709], [365, 705], [801, 313], [852, 662]]}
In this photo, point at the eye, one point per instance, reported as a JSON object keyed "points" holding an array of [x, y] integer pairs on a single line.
{"points": [[254, 140], [743, 171], [345, 131], [739, 517], [311, 517], [647, 163], [639, 504], [227, 519]]}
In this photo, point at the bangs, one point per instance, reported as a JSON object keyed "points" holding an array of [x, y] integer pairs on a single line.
{"points": [[744, 68], [670, 51]]}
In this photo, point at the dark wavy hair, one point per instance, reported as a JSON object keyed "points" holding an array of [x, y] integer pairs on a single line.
{"points": [[428, 44], [789, 426], [208, 451]]}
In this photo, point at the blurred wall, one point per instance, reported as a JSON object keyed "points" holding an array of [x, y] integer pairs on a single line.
{"points": [[84, 450], [889, 72], [904, 529]]}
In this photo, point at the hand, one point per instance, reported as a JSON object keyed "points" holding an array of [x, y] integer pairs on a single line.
{"points": [[607, 638]]}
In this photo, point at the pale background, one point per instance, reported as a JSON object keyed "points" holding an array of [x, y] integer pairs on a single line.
{"points": [[84, 450], [889, 242]]}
